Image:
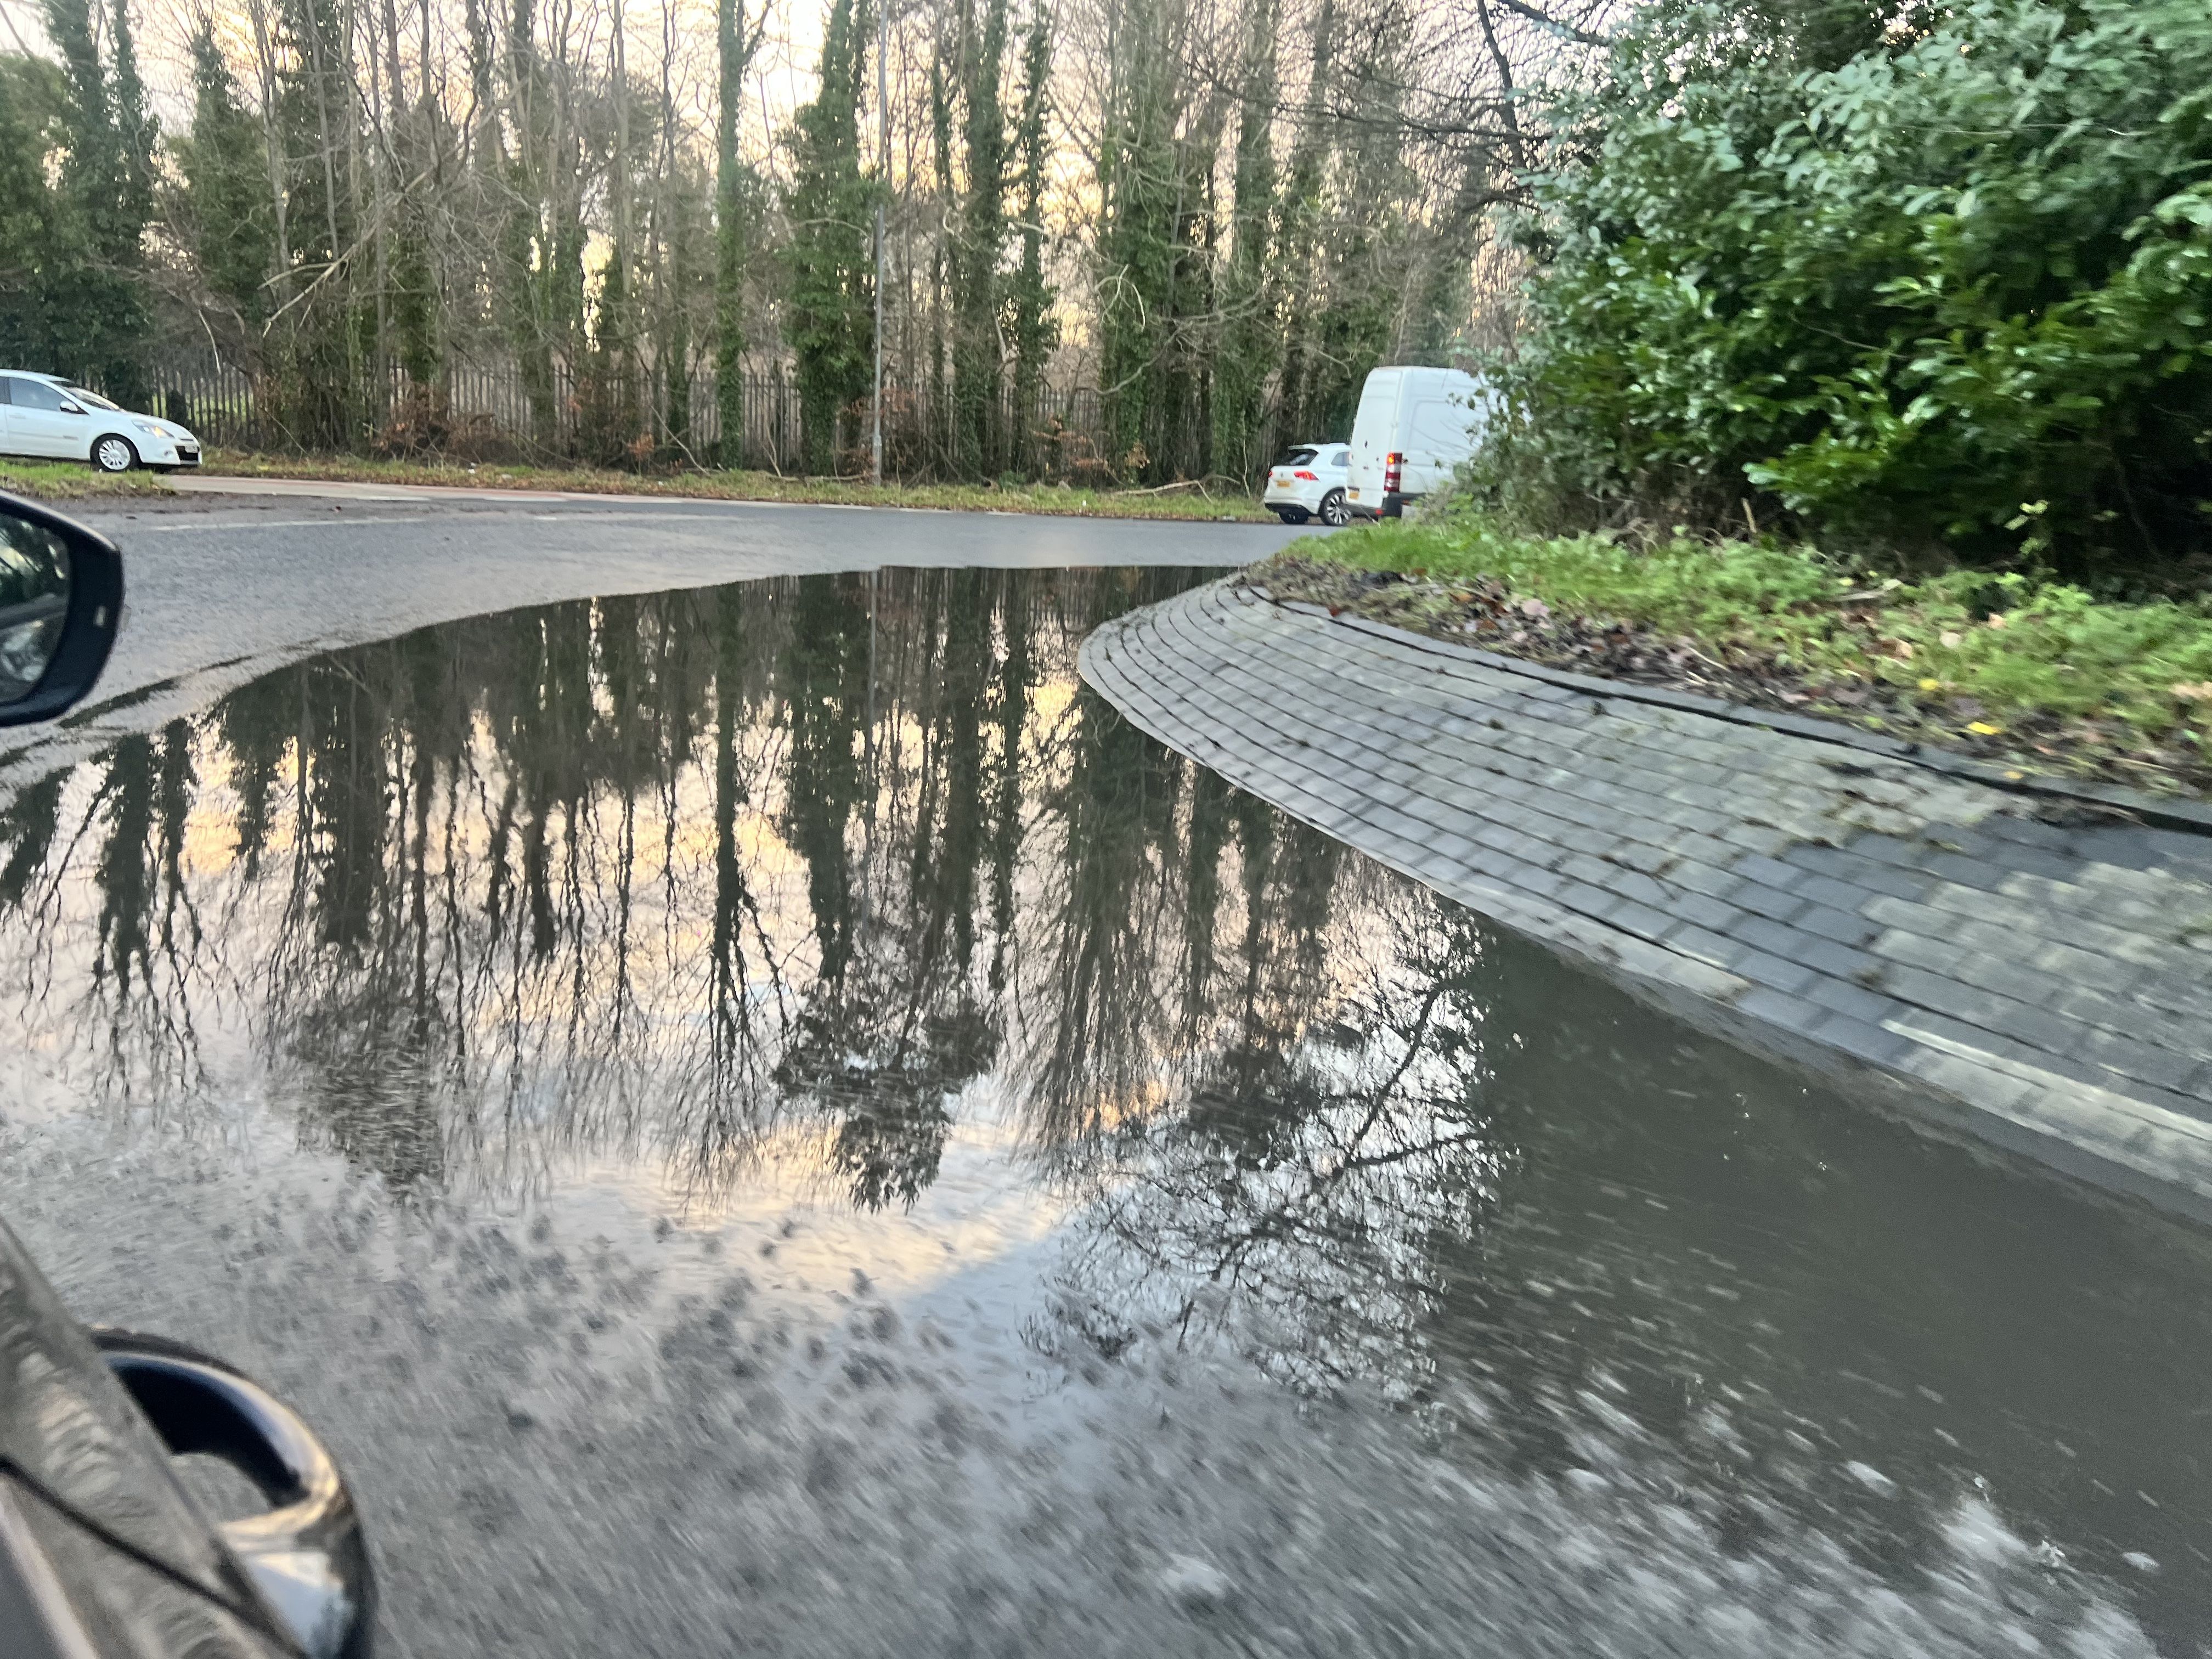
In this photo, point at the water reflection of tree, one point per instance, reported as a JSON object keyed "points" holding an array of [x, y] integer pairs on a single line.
{"points": [[923, 1030], [457, 896], [146, 967], [1105, 920], [1336, 1136], [687, 876]]}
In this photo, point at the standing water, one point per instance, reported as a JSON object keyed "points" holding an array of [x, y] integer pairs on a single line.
{"points": [[770, 1117]]}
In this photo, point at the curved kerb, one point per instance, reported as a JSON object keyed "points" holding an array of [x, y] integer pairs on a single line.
{"points": [[1927, 941]]}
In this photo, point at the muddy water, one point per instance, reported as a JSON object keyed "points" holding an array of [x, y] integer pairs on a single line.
{"points": [[769, 1118]]}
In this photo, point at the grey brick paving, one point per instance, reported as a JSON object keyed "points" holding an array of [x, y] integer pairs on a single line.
{"points": [[2044, 983]]}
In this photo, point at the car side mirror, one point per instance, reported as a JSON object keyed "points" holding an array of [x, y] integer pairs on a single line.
{"points": [[61, 598], [69, 408]]}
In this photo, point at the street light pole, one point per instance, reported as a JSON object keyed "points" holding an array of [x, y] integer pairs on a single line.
{"points": [[883, 184]]}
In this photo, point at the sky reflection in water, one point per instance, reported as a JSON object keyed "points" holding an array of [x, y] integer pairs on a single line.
{"points": [[849, 897]]}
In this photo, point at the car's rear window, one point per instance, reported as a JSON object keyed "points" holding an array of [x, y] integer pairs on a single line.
{"points": [[1294, 457]]}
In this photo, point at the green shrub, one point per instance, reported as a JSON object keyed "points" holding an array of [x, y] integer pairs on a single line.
{"points": [[1956, 289]]}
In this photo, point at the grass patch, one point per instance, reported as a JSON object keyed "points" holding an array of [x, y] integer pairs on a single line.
{"points": [[74, 481], [2040, 675], [1187, 504]]}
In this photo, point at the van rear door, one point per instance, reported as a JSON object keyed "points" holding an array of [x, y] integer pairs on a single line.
{"points": [[1374, 435]]}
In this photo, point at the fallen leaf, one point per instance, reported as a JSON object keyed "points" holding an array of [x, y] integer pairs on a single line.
{"points": [[2194, 691], [1984, 729], [1953, 642], [1997, 621], [1932, 686]]}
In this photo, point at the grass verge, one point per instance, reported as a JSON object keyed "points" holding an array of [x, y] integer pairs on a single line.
{"points": [[74, 481], [2038, 676], [1190, 504]]}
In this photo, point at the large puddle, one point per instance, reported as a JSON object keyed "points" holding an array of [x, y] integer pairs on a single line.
{"points": [[772, 1111]]}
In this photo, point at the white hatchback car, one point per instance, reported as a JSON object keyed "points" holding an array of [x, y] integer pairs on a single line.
{"points": [[45, 416], [1307, 483]]}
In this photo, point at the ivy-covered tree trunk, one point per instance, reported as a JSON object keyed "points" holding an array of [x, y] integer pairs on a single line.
{"points": [[521, 248], [1298, 220], [1140, 181], [942, 270], [830, 274], [671, 229], [1245, 349], [982, 231], [734, 52], [318, 380], [412, 283], [1033, 334]]}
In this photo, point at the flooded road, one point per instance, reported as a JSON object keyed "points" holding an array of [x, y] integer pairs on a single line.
{"points": [[768, 1118]]}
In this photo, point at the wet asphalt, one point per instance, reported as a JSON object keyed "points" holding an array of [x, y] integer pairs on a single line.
{"points": [[769, 1121], [224, 586]]}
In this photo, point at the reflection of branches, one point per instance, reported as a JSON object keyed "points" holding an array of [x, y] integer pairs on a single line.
{"points": [[142, 976], [589, 879], [1106, 905], [1297, 1203]]}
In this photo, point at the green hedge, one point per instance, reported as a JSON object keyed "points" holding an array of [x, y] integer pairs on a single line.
{"points": [[1955, 288]]}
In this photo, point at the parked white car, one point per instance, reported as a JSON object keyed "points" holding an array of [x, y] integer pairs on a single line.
{"points": [[45, 416], [1414, 428], [1307, 482]]}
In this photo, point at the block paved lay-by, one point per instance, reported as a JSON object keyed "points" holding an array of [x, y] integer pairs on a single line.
{"points": [[2034, 972]]}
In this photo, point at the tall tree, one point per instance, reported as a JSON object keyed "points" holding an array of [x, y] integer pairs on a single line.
{"points": [[982, 235], [38, 235], [830, 275], [136, 130], [317, 385], [410, 164], [735, 49], [231, 225], [101, 322], [1155, 166], [1029, 301], [1247, 335], [525, 257], [1297, 224]]}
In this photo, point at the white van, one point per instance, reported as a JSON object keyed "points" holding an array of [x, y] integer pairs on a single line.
{"points": [[1414, 428]]}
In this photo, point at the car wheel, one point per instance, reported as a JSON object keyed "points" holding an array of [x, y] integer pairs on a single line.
{"points": [[1292, 514], [114, 455], [1335, 511]]}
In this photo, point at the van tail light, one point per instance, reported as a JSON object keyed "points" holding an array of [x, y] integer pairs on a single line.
{"points": [[1394, 473], [1308, 476]]}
